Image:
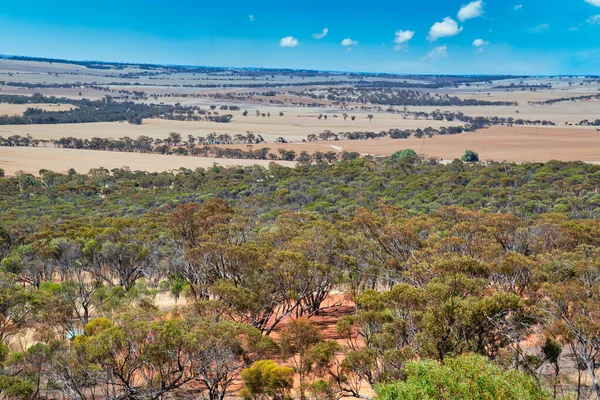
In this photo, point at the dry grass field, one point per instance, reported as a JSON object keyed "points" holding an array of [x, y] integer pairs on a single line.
{"points": [[518, 144], [294, 126], [19, 109], [31, 160], [497, 143]]}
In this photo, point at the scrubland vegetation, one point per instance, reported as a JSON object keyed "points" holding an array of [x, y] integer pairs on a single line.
{"points": [[483, 278], [348, 276]]}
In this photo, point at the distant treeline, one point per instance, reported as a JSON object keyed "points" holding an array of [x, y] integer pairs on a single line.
{"points": [[105, 110], [391, 133], [475, 122], [103, 65], [564, 99], [586, 122], [524, 86], [173, 145], [394, 97], [431, 80]]}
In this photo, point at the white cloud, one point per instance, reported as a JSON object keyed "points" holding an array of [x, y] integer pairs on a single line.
{"points": [[594, 20], [402, 37], [594, 2], [349, 42], [438, 52], [480, 43], [472, 10], [448, 27], [251, 18], [540, 28], [289, 41], [321, 35], [518, 7]]}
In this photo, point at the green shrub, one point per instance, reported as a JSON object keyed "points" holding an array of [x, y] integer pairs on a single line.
{"points": [[470, 156], [468, 377]]}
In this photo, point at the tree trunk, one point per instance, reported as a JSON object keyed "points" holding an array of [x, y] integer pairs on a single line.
{"points": [[592, 372]]}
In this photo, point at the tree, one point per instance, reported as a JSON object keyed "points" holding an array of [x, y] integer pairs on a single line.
{"points": [[266, 380], [147, 354], [572, 302], [15, 388], [221, 350], [470, 156], [17, 307], [297, 340], [407, 153], [467, 377]]}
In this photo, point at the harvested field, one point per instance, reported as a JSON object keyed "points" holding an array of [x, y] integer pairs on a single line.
{"points": [[496, 143], [31, 160], [293, 126], [19, 109]]}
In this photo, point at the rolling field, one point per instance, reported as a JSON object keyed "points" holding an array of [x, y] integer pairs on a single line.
{"points": [[31, 160], [19, 109], [294, 126], [496, 143]]}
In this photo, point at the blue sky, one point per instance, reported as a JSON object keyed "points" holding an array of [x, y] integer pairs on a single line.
{"points": [[432, 36]]}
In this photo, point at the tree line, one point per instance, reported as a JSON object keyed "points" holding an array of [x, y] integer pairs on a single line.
{"points": [[395, 97], [105, 110]]}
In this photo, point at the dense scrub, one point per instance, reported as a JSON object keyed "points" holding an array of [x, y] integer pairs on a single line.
{"points": [[499, 260]]}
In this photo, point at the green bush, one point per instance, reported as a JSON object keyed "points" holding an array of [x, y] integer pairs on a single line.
{"points": [[470, 156], [400, 154], [267, 380], [468, 377]]}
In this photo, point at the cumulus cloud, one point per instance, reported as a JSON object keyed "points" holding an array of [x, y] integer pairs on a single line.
{"points": [[289, 41], [251, 18], [594, 2], [480, 43], [518, 7], [349, 42], [540, 28], [321, 35], [594, 20], [402, 38], [448, 27], [472, 10], [438, 53]]}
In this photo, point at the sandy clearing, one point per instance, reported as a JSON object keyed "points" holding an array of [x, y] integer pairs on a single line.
{"points": [[31, 160], [293, 126], [498, 143]]}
